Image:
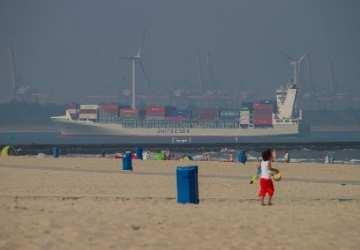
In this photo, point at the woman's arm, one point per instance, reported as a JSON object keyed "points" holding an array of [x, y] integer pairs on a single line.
{"points": [[273, 169]]}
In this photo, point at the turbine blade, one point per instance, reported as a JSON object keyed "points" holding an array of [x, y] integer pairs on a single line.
{"points": [[144, 72], [302, 57], [141, 48], [126, 57], [287, 56]]}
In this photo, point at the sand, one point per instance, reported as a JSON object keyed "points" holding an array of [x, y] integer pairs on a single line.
{"points": [[87, 203]]}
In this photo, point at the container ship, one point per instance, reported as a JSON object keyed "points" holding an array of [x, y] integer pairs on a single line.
{"points": [[264, 118]]}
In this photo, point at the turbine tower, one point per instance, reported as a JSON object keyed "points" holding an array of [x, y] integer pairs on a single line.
{"points": [[12, 58], [133, 60]]}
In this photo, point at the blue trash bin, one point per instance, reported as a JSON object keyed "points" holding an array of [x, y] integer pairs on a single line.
{"points": [[139, 153], [187, 184], [55, 152], [241, 156], [127, 162]]}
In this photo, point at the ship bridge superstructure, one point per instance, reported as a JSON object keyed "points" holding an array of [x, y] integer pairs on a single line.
{"points": [[286, 98]]}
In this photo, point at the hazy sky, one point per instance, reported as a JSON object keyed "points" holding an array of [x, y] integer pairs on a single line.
{"points": [[71, 48]]}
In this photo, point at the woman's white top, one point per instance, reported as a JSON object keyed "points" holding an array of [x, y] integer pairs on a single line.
{"points": [[265, 172]]}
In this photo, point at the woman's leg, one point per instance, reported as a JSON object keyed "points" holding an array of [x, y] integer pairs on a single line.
{"points": [[262, 198]]}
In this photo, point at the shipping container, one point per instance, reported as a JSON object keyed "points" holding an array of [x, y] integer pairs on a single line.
{"points": [[129, 113], [73, 105], [207, 114], [155, 111], [87, 116], [89, 106], [170, 111], [72, 111], [185, 113], [88, 111], [109, 108], [247, 105], [263, 113], [229, 114], [107, 116]]}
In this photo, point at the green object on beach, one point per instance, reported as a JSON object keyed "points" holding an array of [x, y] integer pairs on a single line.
{"points": [[253, 179], [159, 156]]}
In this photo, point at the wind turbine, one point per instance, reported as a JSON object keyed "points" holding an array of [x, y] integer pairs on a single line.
{"points": [[296, 63], [133, 60]]}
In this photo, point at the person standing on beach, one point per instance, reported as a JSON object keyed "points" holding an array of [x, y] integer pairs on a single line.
{"points": [[286, 157], [266, 183]]}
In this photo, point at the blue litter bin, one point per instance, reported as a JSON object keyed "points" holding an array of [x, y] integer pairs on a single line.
{"points": [[241, 156], [127, 162], [55, 152], [139, 153], [187, 184]]}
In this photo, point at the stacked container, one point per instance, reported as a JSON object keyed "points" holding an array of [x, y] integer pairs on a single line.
{"points": [[129, 113], [88, 112], [73, 105], [108, 112], [229, 114], [207, 114], [244, 117], [155, 113], [262, 116]]}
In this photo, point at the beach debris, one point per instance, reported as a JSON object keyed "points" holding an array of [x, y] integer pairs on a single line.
{"points": [[40, 155], [135, 227]]}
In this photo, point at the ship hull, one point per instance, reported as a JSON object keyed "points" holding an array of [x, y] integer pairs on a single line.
{"points": [[112, 129]]}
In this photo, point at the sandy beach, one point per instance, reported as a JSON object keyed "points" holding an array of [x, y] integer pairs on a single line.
{"points": [[88, 203]]}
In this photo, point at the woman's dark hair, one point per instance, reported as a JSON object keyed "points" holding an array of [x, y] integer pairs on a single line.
{"points": [[267, 154]]}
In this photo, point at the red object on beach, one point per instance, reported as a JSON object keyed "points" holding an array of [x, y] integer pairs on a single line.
{"points": [[118, 156]]}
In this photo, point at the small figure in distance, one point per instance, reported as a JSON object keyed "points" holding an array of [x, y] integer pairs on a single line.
{"points": [[286, 157]]}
